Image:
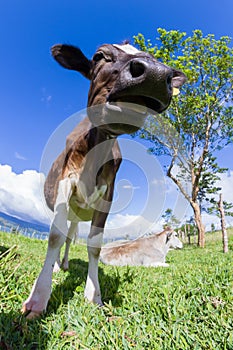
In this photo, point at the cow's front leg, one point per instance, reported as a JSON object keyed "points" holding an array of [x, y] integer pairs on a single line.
{"points": [[41, 290], [92, 289], [40, 294], [94, 243]]}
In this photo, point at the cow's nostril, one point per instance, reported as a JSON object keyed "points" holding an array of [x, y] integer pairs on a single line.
{"points": [[136, 69]]}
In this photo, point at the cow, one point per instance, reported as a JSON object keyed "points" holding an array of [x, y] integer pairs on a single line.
{"points": [[145, 251], [125, 84]]}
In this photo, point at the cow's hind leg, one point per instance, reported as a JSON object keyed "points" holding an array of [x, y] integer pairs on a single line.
{"points": [[64, 265], [57, 265], [40, 294], [71, 234]]}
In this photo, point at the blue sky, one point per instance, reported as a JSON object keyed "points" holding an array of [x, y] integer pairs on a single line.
{"points": [[37, 94]]}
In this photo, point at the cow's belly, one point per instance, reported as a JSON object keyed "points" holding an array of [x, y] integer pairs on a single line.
{"points": [[81, 207], [76, 214]]}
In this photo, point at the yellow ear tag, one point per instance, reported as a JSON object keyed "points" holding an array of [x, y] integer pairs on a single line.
{"points": [[175, 91]]}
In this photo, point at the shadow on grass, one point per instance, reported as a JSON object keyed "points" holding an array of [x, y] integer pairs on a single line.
{"points": [[15, 331], [18, 333], [8, 252], [76, 277], [3, 250]]}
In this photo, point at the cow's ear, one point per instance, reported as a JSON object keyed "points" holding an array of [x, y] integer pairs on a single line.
{"points": [[178, 79], [71, 57]]}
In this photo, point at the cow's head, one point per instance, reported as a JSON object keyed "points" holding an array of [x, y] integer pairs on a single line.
{"points": [[125, 84], [173, 240]]}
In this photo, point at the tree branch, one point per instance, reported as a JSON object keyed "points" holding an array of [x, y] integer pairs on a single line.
{"points": [[176, 181]]}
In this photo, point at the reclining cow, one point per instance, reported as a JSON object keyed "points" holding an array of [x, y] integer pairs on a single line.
{"points": [[146, 251], [80, 184]]}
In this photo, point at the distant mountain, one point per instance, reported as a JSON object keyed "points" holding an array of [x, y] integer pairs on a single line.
{"points": [[8, 220]]}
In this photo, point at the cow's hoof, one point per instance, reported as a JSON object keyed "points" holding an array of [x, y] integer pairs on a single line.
{"points": [[95, 300], [98, 302], [33, 307], [29, 314], [65, 266]]}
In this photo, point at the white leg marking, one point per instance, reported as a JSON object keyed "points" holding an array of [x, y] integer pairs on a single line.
{"points": [[92, 289], [57, 265], [39, 296], [71, 234]]}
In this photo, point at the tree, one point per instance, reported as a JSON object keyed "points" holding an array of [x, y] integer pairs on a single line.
{"points": [[222, 209], [170, 219], [199, 122]]}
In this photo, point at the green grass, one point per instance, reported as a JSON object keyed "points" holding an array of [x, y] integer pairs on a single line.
{"points": [[188, 305]]}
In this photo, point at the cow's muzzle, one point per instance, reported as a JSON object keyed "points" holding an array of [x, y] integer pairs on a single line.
{"points": [[145, 82]]}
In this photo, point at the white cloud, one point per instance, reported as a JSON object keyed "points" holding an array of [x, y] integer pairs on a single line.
{"points": [[158, 182], [119, 226], [132, 226], [131, 187], [21, 194], [46, 98], [122, 226], [19, 156], [226, 183]]}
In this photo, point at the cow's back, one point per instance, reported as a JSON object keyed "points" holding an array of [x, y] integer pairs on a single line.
{"points": [[52, 180]]}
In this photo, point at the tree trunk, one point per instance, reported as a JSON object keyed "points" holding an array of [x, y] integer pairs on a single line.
{"points": [[223, 224], [200, 226]]}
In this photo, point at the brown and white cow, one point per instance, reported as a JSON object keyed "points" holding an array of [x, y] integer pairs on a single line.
{"points": [[144, 251], [124, 84]]}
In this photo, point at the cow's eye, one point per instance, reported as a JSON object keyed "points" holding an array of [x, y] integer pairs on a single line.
{"points": [[98, 56]]}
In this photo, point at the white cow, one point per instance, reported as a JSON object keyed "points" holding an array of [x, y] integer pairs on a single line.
{"points": [[146, 251]]}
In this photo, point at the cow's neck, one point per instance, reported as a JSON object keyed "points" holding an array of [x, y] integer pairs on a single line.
{"points": [[160, 239], [100, 144]]}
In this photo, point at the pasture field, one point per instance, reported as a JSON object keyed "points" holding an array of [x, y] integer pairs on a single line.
{"points": [[188, 305]]}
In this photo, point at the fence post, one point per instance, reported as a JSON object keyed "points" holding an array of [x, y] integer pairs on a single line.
{"points": [[223, 224]]}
